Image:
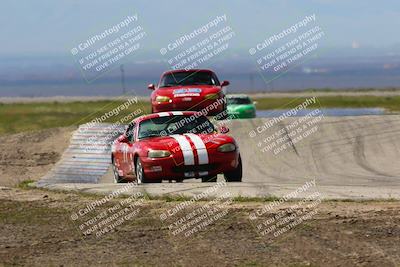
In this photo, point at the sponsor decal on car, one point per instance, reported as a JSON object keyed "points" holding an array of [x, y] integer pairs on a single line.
{"points": [[185, 92]]}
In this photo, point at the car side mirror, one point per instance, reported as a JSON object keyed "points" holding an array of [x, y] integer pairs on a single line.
{"points": [[151, 86], [123, 139], [225, 83], [223, 129]]}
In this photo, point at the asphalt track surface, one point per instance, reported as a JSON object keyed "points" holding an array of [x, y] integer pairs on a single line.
{"points": [[349, 158]]}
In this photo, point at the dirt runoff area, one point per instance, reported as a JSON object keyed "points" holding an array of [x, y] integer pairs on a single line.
{"points": [[38, 228], [30, 155]]}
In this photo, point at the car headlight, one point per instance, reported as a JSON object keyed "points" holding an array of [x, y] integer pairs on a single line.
{"points": [[163, 99], [158, 154], [211, 96], [227, 147]]}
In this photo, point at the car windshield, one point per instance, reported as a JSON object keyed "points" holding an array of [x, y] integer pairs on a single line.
{"points": [[179, 124], [188, 78], [238, 100]]}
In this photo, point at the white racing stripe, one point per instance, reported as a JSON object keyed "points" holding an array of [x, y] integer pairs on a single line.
{"points": [[163, 114], [177, 113], [200, 147], [186, 148]]}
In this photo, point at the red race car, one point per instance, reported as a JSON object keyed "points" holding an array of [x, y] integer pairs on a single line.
{"points": [[175, 146], [198, 90]]}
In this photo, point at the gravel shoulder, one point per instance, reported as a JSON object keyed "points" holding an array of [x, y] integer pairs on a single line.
{"points": [[30, 155], [37, 230]]}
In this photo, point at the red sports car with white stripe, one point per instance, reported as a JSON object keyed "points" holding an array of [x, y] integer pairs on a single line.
{"points": [[175, 146], [196, 89]]}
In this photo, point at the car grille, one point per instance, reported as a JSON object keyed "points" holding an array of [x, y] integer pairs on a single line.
{"points": [[194, 168]]}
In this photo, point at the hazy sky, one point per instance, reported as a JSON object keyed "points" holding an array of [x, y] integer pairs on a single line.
{"points": [[54, 27]]}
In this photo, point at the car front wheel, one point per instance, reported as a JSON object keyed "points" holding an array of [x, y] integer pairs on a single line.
{"points": [[140, 175], [236, 174], [140, 178]]}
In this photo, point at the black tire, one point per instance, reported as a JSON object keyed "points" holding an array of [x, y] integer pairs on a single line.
{"points": [[235, 175], [140, 176], [209, 179], [117, 179]]}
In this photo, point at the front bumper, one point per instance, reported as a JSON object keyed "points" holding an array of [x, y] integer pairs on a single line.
{"points": [[241, 114], [173, 168]]}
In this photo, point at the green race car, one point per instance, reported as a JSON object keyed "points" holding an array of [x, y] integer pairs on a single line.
{"points": [[240, 107]]}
